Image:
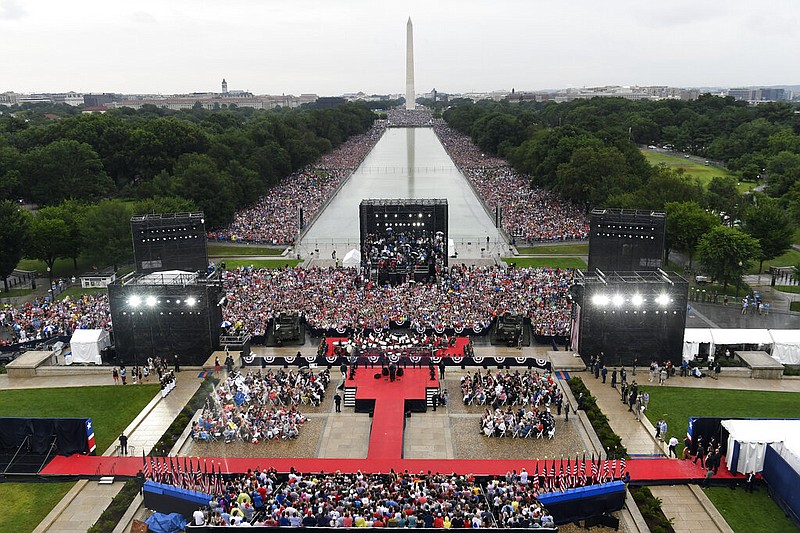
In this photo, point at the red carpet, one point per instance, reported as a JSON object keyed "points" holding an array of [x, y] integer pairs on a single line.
{"points": [[645, 471], [451, 351], [386, 438]]}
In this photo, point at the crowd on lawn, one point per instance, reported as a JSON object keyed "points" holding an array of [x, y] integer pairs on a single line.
{"points": [[529, 213], [274, 217], [462, 298], [258, 405], [43, 318], [405, 118], [375, 500]]}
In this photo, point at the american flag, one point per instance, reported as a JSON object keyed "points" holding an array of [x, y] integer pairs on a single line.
{"points": [[622, 466], [90, 436], [536, 478], [583, 470], [574, 479], [594, 471]]}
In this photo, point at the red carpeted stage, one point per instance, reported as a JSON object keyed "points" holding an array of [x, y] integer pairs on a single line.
{"points": [[386, 446]]}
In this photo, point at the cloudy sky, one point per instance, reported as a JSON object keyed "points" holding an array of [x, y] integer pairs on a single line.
{"points": [[330, 47]]}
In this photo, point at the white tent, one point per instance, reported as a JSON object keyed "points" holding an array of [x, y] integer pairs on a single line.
{"points": [[352, 259], [692, 339], [748, 440], [786, 346], [739, 336], [86, 345]]}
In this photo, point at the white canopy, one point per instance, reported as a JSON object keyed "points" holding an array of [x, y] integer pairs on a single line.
{"points": [[86, 345], [692, 339], [748, 440], [786, 348], [352, 259], [741, 336]]}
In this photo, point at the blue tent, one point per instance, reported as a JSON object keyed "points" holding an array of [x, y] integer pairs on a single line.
{"points": [[166, 523]]}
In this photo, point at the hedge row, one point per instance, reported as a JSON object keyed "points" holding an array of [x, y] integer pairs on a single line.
{"points": [[610, 440]]}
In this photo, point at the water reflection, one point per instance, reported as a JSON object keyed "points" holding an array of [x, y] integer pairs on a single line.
{"points": [[406, 163]]}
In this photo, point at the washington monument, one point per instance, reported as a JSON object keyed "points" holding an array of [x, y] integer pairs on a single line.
{"points": [[410, 94]]}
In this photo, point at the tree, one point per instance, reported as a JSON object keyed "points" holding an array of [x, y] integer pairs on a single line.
{"points": [[164, 204], [48, 241], [687, 222], [14, 223], [72, 213], [722, 195], [725, 253], [768, 223], [62, 170], [107, 232]]}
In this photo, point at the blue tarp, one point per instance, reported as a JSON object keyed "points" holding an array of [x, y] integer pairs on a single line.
{"points": [[166, 523]]}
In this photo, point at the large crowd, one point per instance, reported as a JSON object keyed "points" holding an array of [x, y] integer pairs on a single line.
{"points": [[528, 213], [507, 388], [43, 318], [258, 406], [464, 297], [376, 500], [409, 118], [274, 217]]}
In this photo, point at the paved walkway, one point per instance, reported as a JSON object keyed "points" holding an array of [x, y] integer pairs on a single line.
{"points": [[690, 510], [87, 500]]}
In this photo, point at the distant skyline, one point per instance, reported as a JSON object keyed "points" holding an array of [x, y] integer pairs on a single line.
{"points": [[331, 48]]}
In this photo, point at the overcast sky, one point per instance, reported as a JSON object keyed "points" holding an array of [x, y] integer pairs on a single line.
{"points": [[330, 47]]}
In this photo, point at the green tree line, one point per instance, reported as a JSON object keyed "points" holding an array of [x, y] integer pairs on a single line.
{"points": [[220, 160], [587, 151]]}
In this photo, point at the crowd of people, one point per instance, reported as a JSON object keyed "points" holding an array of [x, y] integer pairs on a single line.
{"points": [[274, 218], [506, 388], [530, 214], [409, 118], [522, 423], [532, 392], [43, 318], [258, 405], [375, 500], [463, 297]]}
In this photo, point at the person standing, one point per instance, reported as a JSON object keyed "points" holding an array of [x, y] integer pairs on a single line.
{"points": [[123, 444], [337, 400], [613, 379], [123, 374], [604, 373], [177, 364], [442, 367], [701, 453], [673, 444], [115, 375], [343, 370], [750, 481]]}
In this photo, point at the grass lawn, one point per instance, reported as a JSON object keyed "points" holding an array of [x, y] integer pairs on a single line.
{"points": [[749, 512], [548, 262], [61, 268], [794, 289], [260, 263], [28, 503], [217, 250], [692, 168], [110, 408], [77, 292], [14, 293], [551, 249], [790, 258], [677, 404]]}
